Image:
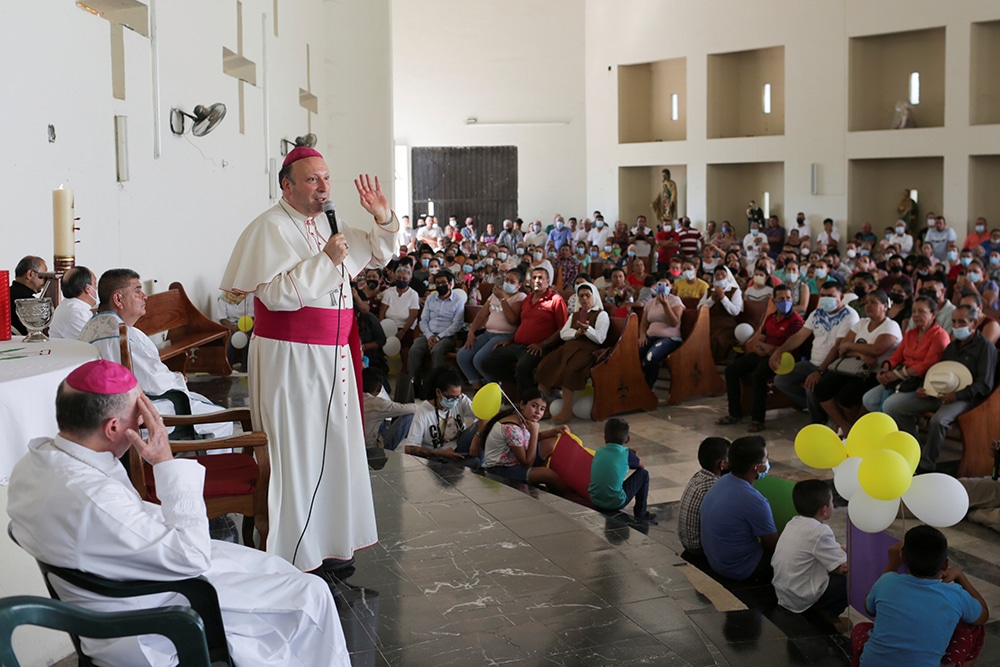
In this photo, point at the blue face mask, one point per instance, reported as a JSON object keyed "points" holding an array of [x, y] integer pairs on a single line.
{"points": [[509, 288], [559, 224], [467, 268], [520, 251], [502, 256], [425, 263], [865, 252], [952, 256], [994, 260], [449, 403], [961, 333], [593, 253], [767, 469], [965, 260], [820, 274], [828, 303], [783, 307]]}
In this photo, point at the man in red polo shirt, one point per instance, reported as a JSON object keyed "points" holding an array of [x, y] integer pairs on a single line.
{"points": [[543, 314], [668, 244]]}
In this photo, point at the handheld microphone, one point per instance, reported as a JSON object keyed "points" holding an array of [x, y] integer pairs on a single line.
{"points": [[331, 215]]}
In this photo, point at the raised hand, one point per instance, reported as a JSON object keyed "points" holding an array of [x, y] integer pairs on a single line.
{"points": [[373, 199]]}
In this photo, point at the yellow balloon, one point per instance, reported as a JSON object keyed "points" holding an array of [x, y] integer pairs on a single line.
{"points": [[868, 432], [884, 474], [787, 364], [906, 445], [245, 324], [486, 402], [819, 447]]}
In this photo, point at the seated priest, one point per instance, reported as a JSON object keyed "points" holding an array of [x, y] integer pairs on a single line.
{"points": [[79, 290], [121, 299], [71, 504]]}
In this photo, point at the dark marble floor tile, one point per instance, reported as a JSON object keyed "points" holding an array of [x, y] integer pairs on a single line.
{"points": [[689, 644], [658, 615], [623, 586]]}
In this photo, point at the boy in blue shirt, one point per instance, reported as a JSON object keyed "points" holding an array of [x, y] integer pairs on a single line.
{"points": [[930, 616], [609, 489]]}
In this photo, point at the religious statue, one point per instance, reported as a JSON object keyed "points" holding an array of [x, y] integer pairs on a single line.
{"points": [[907, 211], [665, 203], [903, 118], [755, 214]]}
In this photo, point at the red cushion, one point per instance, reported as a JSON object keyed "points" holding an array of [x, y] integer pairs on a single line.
{"points": [[225, 475]]}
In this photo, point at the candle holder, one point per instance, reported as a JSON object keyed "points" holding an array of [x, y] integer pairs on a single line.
{"points": [[62, 264]]}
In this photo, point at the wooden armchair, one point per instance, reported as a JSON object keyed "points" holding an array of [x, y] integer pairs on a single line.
{"points": [[619, 385], [234, 482], [692, 368]]}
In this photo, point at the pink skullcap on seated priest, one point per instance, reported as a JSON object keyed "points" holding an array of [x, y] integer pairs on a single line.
{"points": [[102, 377], [300, 153]]}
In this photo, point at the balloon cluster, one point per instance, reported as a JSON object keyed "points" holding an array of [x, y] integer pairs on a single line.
{"points": [[241, 338], [873, 469], [583, 403], [392, 345]]}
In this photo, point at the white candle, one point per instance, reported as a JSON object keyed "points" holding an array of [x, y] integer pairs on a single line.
{"points": [[62, 222]]}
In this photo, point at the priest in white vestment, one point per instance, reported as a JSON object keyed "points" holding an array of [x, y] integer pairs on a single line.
{"points": [[79, 290], [122, 300], [71, 504], [305, 385]]}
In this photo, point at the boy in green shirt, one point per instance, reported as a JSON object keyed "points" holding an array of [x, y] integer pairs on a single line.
{"points": [[609, 489]]}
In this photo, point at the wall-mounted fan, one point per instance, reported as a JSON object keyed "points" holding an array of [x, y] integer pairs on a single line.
{"points": [[205, 119], [308, 140]]}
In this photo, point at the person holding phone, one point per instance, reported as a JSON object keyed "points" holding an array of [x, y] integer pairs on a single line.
{"points": [[659, 329]]}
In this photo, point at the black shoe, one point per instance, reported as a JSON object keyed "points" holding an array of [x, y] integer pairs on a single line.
{"points": [[648, 517]]}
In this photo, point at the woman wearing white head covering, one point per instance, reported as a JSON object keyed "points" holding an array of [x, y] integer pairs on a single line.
{"points": [[726, 302], [569, 365]]}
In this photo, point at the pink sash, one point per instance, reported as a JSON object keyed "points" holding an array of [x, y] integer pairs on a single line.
{"points": [[312, 326]]}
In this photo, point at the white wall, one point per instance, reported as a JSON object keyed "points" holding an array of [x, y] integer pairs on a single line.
{"points": [[816, 37], [513, 61], [179, 215]]}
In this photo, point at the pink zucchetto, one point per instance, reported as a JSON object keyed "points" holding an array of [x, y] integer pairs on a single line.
{"points": [[102, 377], [300, 153]]}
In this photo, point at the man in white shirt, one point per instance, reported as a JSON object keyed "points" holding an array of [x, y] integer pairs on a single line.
{"points": [[536, 236], [802, 225], [122, 300], [828, 325], [600, 234], [830, 237], [401, 303], [939, 236], [582, 232], [902, 239], [72, 505], [79, 290]]}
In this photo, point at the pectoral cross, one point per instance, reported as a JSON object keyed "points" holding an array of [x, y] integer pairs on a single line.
{"points": [[120, 14]]}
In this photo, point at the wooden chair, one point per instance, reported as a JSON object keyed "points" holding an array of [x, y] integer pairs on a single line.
{"points": [[195, 342], [980, 426], [692, 369], [234, 482], [619, 385]]}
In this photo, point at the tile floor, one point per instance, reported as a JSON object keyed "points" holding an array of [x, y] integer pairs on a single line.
{"points": [[471, 571]]}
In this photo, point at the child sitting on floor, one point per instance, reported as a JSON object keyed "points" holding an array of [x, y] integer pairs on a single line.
{"points": [[516, 449], [713, 456], [931, 616], [809, 565], [609, 489], [378, 408]]}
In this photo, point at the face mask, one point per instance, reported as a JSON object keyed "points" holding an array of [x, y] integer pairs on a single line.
{"points": [[509, 288], [865, 252], [828, 303], [860, 292], [767, 469], [449, 403], [805, 252], [467, 268], [953, 255], [722, 283], [897, 298], [900, 230], [930, 222], [820, 274], [888, 237], [930, 293], [792, 277], [552, 254], [980, 228], [502, 256], [537, 256], [449, 258], [607, 248], [401, 284], [895, 268], [593, 253], [800, 221], [373, 284], [689, 274], [442, 290], [559, 224], [754, 232], [974, 276], [961, 333], [994, 260], [434, 269], [600, 223], [965, 260], [631, 253], [616, 252], [425, 263], [759, 281], [537, 228], [483, 253], [852, 253], [507, 227], [520, 251], [663, 288], [581, 251], [922, 273], [783, 307]]}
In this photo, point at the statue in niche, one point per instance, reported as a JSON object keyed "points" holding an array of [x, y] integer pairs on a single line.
{"points": [[755, 214], [665, 203], [907, 211], [903, 116]]}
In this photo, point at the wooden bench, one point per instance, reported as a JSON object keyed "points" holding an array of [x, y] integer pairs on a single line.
{"points": [[619, 385], [195, 343], [980, 426], [692, 369]]}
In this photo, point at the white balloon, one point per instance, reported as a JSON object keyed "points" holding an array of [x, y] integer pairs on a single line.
{"points": [[392, 346], [239, 340], [743, 332], [845, 477], [870, 515], [937, 499], [555, 407], [582, 407], [390, 328]]}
